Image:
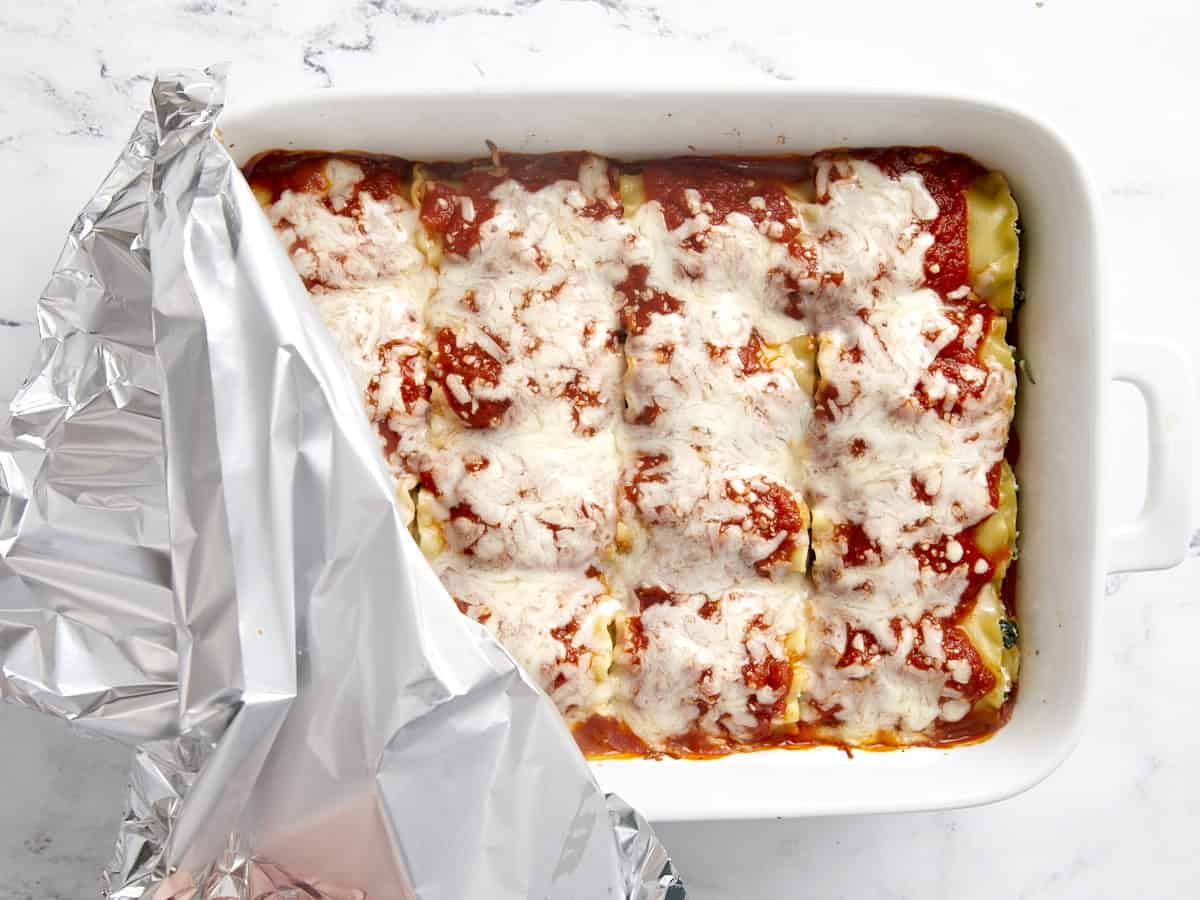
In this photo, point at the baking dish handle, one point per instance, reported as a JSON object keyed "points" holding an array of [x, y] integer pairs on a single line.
{"points": [[1162, 374]]}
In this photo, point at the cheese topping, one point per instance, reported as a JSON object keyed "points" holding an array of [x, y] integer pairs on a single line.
{"points": [[700, 667], [556, 625], [531, 311], [627, 430], [345, 237], [523, 499]]}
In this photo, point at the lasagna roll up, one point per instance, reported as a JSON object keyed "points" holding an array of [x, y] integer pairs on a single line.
{"points": [[713, 530], [913, 504], [517, 504], [351, 230]]}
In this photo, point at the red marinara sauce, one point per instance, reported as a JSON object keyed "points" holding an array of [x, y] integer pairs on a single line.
{"points": [[979, 569], [642, 302], [860, 549], [459, 201], [773, 510], [581, 395], [649, 595], [605, 736], [946, 176], [957, 646], [771, 672], [723, 187], [647, 471], [456, 214], [472, 364], [304, 172], [957, 355], [391, 440]]}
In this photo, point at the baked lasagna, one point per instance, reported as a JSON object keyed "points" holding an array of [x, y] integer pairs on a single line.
{"points": [[718, 449]]}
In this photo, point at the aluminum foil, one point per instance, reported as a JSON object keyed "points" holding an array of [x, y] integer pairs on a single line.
{"points": [[200, 556]]}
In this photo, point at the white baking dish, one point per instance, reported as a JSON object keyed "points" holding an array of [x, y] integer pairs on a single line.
{"points": [[1065, 545]]}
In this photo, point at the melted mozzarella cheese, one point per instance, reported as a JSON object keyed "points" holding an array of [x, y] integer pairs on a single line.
{"points": [[525, 500], [686, 369], [554, 623], [689, 670], [876, 438], [338, 244], [379, 331], [696, 527], [731, 273], [537, 294]]}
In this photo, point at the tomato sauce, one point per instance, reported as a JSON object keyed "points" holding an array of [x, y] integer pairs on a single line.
{"points": [[861, 648], [773, 673], [635, 638], [946, 176], [642, 302], [860, 549], [565, 635], [751, 354], [581, 397], [645, 464], [463, 510], [457, 217], [956, 356], [605, 736], [935, 556], [800, 287], [993, 481], [772, 510], [723, 190], [304, 172], [444, 208], [646, 415], [919, 491], [391, 440], [695, 742], [472, 364], [957, 646], [413, 388], [649, 595], [974, 727]]}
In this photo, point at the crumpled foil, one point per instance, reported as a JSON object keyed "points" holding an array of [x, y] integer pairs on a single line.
{"points": [[200, 557]]}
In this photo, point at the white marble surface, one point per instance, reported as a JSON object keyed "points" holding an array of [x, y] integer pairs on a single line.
{"points": [[1119, 819]]}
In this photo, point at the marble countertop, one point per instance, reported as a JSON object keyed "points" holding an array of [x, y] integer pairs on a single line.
{"points": [[1120, 85]]}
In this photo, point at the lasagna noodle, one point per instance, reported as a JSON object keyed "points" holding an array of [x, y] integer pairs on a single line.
{"points": [[517, 509], [555, 623], [351, 230], [714, 530], [906, 471], [992, 245]]}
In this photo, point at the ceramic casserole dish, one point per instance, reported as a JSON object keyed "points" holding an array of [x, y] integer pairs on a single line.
{"points": [[1066, 543]]}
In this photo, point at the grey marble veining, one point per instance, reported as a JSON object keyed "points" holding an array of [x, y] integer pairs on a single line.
{"points": [[62, 800], [1119, 818]]}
